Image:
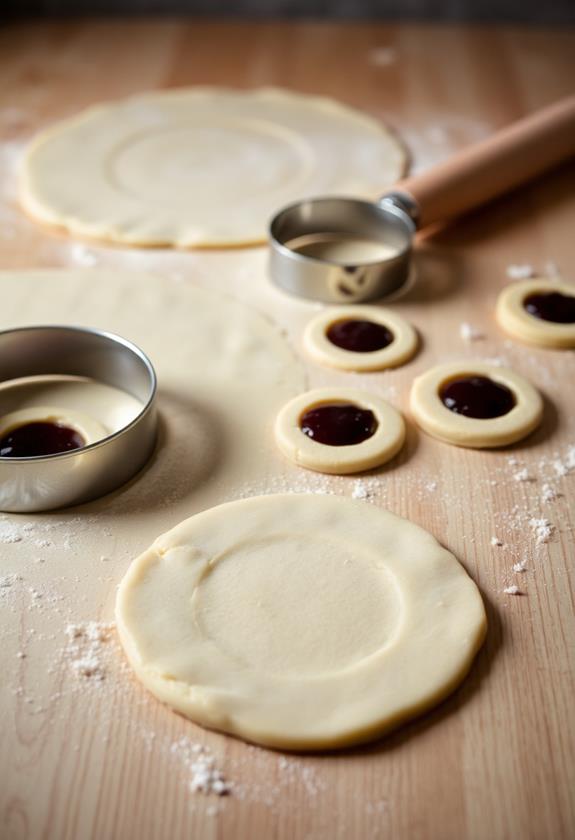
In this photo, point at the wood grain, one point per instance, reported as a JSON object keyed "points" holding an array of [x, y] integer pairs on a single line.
{"points": [[494, 761]]}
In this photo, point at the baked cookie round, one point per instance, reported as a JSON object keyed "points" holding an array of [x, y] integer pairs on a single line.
{"points": [[490, 406], [339, 430], [360, 338], [539, 311], [299, 621]]}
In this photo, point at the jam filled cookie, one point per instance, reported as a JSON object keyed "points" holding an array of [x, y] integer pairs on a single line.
{"points": [[339, 430], [475, 404], [539, 311], [360, 338]]}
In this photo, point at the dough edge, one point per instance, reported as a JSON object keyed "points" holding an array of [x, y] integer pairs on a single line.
{"points": [[109, 234], [201, 706]]}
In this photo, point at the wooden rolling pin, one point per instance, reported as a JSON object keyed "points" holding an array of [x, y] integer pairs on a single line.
{"points": [[510, 157]]}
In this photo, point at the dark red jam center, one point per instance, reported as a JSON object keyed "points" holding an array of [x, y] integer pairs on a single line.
{"points": [[477, 396], [40, 438], [359, 336], [338, 425], [551, 306]]}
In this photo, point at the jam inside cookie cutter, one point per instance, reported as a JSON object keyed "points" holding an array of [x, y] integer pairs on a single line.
{"points": [[46, 482], [342, 250]]}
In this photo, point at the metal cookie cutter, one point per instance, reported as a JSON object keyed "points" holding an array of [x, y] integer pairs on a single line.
{"points": [[342, 250], [52, 481]]}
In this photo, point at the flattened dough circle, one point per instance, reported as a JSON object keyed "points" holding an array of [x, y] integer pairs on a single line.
{"points": [[437, 420], [89, 428], [320, 348], [299, 621], [339, 460], [201, 166], [519, 323]]}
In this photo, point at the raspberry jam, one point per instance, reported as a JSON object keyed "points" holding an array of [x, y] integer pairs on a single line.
{"points": [[359, 336], [551, 306], [338, 425], [477, 396], [39, 438]]}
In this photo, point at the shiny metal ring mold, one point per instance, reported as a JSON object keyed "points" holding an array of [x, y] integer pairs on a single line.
{"points": [[54, 481], [386, 221]]}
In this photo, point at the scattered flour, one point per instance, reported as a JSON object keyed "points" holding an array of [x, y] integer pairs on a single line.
{"points": [[520, 567], [200, 761], [512, 590], [9, 533], [470, 333], [549, 493], [543, 530], [7, 581], [81, 255], [522, 475], [85, 647], [495, 541], [360, 491], [563, 466], [520, 272]]}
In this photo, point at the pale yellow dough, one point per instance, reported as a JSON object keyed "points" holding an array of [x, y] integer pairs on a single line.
{"points": [[299, 621], [93, 408], [515, 320], [320, 348], [201, 166], [339, 460], [437, 420], [90, 430]]}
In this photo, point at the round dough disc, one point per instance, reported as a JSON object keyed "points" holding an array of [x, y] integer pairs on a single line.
{"points": [[446, 425], [89, 429], [518, 322], [299, 621], [202, 167], [320, 348], [376, 450]]}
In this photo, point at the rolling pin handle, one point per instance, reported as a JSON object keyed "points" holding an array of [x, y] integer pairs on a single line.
{"points": [[506, 160]]}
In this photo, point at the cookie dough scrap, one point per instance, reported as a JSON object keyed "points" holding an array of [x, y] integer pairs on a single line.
{"points": [[299, 621], [203, 166]]}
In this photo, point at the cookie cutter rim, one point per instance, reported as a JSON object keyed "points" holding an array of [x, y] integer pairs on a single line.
{"points": [[96, 469], [388, 221]]}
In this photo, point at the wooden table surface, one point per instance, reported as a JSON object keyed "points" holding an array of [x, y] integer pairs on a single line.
{"points": [[496, 760]]}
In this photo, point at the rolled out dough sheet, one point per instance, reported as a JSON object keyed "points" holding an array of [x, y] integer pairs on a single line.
{"points": [[299, 621], [224, 372], [202, 166]]}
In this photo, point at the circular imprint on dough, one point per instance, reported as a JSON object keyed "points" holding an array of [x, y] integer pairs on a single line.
{"points": [[299, 621], [360, 338], [39, 426], [201, 166], [475, 404], [362, 431], [539, 311]]}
